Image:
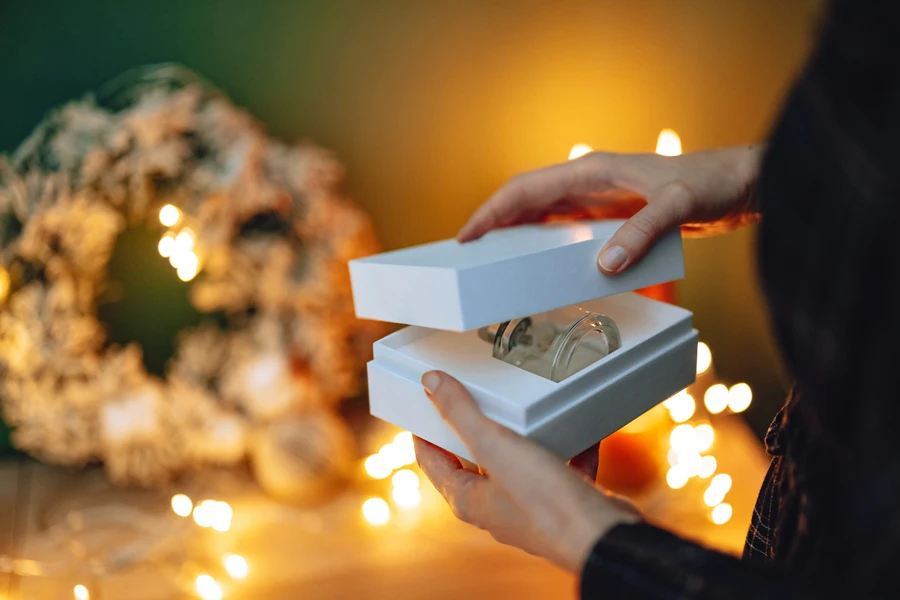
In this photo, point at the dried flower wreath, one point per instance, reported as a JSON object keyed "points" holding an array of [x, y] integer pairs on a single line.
{"points": [[257, 228]]}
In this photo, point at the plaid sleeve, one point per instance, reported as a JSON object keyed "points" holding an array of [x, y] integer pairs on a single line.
{"points": [[642, 561]]}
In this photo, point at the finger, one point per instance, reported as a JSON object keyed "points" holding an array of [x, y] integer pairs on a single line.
{"points": [[467, 493], [587, 462], [527, 475], [492, 446], [527, 197], [665, 211], [510, 459]]}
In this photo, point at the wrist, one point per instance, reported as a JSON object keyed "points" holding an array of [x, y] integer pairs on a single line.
{"points": [[747, 165], [621, 512]]}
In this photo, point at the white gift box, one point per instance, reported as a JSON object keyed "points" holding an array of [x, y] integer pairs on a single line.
{"points": [[446, 290]]}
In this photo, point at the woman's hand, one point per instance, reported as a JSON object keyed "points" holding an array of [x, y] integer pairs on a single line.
{"points": [[703, 192], [527, 497]]}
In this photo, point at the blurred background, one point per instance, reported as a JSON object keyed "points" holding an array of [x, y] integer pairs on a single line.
{"points": [[433, 105]]}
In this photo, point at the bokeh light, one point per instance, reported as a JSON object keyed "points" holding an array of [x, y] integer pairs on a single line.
{"points": [[376, 511], [716, 398], [182, 505]]}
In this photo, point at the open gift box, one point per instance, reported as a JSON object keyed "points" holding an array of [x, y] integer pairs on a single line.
{"points": [[450, 293]]}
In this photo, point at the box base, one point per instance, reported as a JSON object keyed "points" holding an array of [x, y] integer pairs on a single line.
{"points": [[573, 427]]}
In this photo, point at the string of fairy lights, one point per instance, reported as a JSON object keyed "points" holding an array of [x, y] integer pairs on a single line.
{"points": [[178, 243], [693, 436], [391, 461]]}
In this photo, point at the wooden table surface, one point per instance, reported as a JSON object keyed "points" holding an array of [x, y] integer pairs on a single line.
{"points": [[327, 552]]}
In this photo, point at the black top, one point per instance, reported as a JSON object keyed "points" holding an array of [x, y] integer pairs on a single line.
{"points": [[827, 523], [642, 561]]}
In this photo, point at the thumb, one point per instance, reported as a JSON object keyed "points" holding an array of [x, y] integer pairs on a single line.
{"points": [[665, 210]]}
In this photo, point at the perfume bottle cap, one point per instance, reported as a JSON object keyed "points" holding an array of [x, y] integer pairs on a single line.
{"points": [[507, 274]]}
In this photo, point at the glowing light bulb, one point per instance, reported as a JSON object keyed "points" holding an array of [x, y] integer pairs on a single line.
{"points": [[377, 467], [705, 436], [166, 245], [739, 397], [677, 477], [716, 398], [221, 514], [721, 514], [722, 481], [169, 215], [188, 266], [182, 505], [690, 462], [707, 467], [79, 592], [236, 565], [393, 455], [668, 143], [203, 513], [673, 456], [208, 588], [185, 240], [406, 497], [405, 479], [683, 438], [713, 496], [579, 150], [704, 358], [682, 407], [406, 449], [376, 511]]}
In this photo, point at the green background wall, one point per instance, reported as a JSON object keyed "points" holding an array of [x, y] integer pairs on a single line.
{"points": [[432, 104]]}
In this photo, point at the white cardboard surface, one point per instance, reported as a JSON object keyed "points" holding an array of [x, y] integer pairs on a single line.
{"points": [[658, 358], [509, 273]]}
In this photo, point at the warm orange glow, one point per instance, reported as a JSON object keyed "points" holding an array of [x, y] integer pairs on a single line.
{"points": [[668, 143], [683, 438], [169, 215], [406, 497], [5, 282], [187, 265], [704, 358], [182, 505], [721, 514], [579, 150], [377, 467], [681, 406], [716, 398], [393, 455], [705, 435], [236, 565], [166, 245], [79, 592], [739, 397], [405, 479], [376, 511], [713, 495], [722, 482], [708, 465], [677, 477], [406, 450], [221, 514], [208, 588]]}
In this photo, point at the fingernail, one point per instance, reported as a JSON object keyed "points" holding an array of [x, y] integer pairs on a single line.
{"points": [[612, 258], [431, 381]]}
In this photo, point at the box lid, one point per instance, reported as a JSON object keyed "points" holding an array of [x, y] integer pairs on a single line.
{"points": [[509, 273]]}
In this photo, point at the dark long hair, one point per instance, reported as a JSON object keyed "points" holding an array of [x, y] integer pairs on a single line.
{"points": [[829, 257]]}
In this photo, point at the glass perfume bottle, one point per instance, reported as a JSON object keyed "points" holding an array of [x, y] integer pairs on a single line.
{"points": [[555, 344]]}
